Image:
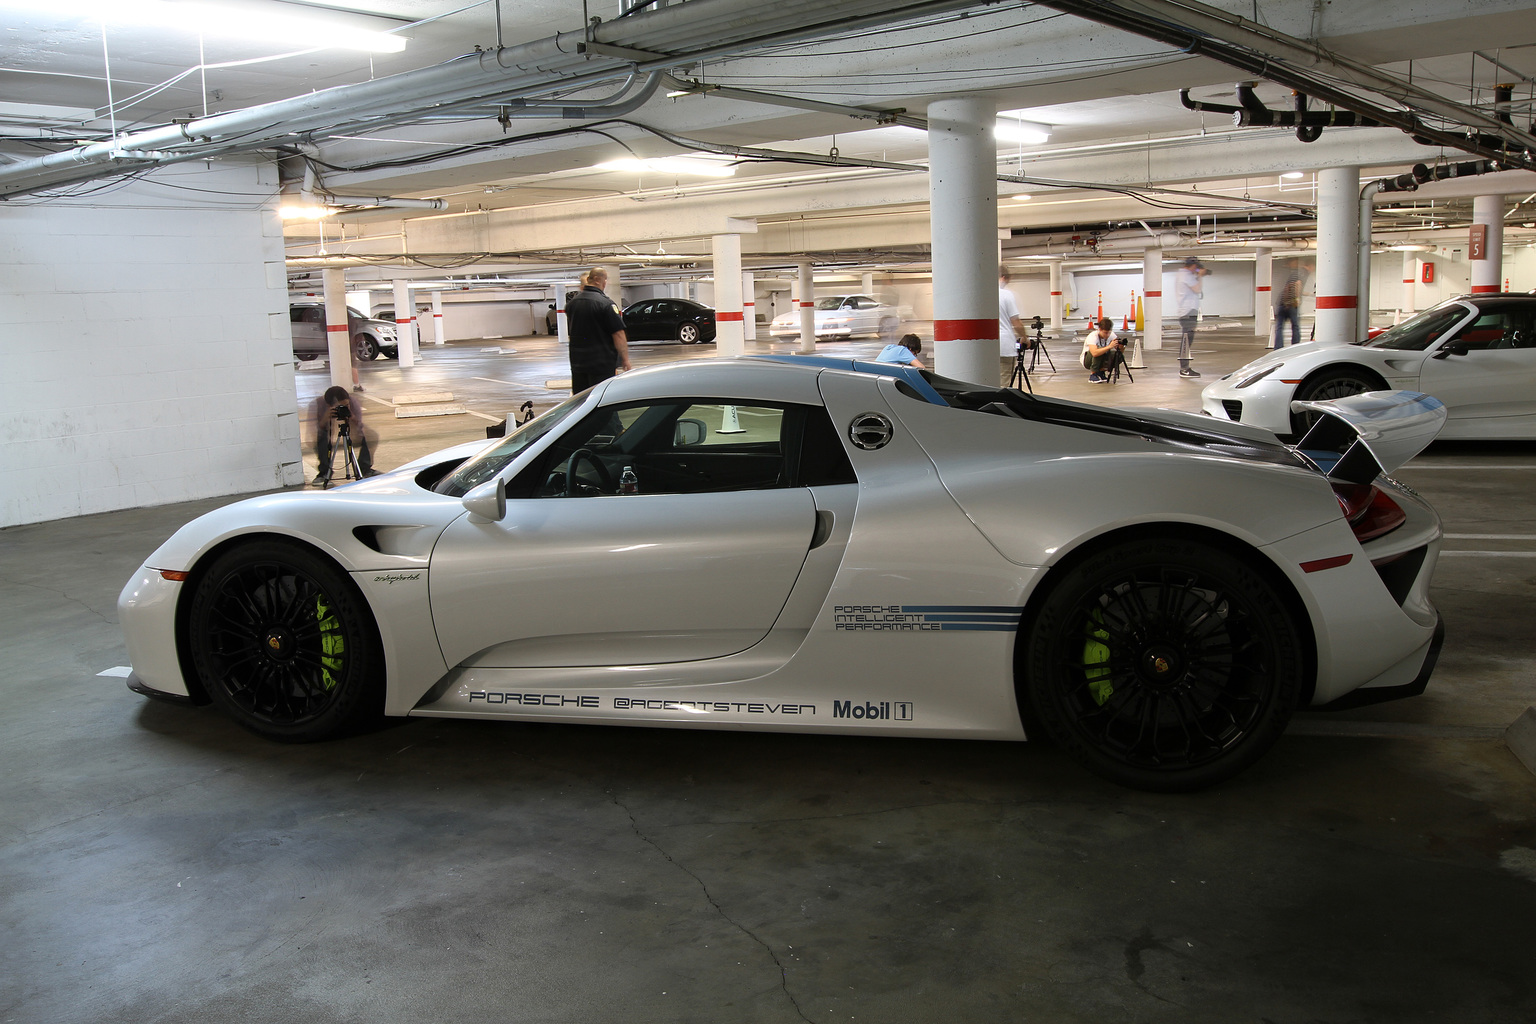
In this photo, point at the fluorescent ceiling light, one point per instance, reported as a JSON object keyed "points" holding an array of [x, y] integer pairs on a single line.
{"points": [[1020, 197], [1293, 175], [1409, 247], [303, 211], [45, 112], [266, 23], [1012, 129], [699, 164]]}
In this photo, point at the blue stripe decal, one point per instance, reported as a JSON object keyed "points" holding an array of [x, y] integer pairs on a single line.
{"points": [[1014, 618], [987, 609], [994, 627]]}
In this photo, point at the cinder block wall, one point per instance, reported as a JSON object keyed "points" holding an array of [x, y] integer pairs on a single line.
{"points": [[146, 349]]}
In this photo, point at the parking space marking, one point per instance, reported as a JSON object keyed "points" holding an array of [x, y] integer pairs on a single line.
{"points": [[1490, 536], [1489, 554]]}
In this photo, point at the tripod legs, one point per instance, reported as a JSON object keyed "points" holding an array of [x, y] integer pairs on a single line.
{"points": [[1020, 375], [350, 468]]}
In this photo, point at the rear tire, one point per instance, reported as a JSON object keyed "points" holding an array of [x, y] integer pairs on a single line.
{"points": [[1165, 664], [688, 334], [282, 642]]}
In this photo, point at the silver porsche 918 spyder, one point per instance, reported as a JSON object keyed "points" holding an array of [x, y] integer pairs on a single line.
{"points": [[818, 545]]}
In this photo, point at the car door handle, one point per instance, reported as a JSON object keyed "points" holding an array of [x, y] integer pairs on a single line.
{"points": [[823, 528]]}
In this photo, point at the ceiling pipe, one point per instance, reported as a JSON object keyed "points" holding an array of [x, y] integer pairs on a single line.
{"points": [[659, 39]]}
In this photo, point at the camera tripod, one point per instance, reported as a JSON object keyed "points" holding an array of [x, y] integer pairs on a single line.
{"points": [[1037, 347], [350, 467], [1117, 363], [1020, 374]]}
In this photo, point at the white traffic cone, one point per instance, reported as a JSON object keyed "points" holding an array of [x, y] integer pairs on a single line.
{"points": [[1136, 362], [730, 424]]}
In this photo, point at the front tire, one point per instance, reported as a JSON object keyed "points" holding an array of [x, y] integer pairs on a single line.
{"points": [[366, 348], [1335, 382], [283, 643], [1165, 665]]}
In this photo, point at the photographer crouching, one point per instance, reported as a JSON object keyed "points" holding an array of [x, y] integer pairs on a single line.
{"points": [[1101, 349], [338, 418]]}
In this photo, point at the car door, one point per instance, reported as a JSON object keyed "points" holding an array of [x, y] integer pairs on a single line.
{"points": [[1485, 373], [640, 320], [308, 326], [696, 562]]}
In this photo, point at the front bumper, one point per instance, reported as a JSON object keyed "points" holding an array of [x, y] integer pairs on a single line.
{"points": [[1266, 404]]}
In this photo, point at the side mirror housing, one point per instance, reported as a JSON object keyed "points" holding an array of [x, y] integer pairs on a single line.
{"points": [[488, 502], [1451, 348], [688, 432]]}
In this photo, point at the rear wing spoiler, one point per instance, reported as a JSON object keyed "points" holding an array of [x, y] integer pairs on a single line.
{"points": [[1372, 433]]}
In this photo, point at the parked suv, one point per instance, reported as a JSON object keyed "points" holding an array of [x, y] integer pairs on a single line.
{"points": [[370, 336]]}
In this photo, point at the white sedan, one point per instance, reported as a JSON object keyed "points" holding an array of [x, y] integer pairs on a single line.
{"points": [[1475, 354], [842, 316], [819, 545]]}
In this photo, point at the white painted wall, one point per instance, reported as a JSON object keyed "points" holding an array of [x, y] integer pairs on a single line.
{"points": [[147, 350], [1228, 291]]}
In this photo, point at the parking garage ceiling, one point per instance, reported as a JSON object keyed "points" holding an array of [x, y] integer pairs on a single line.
{"points": [[792, 112]]}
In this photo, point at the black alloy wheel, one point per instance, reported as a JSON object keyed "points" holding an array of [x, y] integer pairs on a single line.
{"points": [[366, 348], [1335, 382], [283, 643], [688, 334], [1163, 664]]}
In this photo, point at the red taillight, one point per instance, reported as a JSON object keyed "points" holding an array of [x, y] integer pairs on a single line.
{"points": [[1370, 511]]}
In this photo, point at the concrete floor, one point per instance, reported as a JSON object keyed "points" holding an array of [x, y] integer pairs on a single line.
{"points": [[160, 864]]}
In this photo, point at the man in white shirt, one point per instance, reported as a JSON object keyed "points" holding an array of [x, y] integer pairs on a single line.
{"points": [[1099, 350], [1010, 328], [1188, 290]]}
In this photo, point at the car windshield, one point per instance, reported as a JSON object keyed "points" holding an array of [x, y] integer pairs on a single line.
{"points": [[493, 460], [830, 302], [1416, 334]]}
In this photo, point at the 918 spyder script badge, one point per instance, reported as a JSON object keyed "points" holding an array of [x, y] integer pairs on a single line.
{"points": [[397, 577]]}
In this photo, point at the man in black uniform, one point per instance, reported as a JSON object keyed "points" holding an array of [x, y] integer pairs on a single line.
{"points": [[596, 328]]}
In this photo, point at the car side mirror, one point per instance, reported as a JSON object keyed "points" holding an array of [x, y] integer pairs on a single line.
{"points": [[688, 433], [1454, 348], [488, 502]]}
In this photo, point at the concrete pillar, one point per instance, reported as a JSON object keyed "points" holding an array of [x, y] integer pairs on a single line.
{"points": [[1056, 297], [867, 284], [405, 323], [438, 335], [1263, 292], [962, 205], [561, 328], [614, 289], [1152, 298], [749, 306], [806, 298], [338, 333], [1410, 278], [730, 331], [1487, 259], [1338, 224]]}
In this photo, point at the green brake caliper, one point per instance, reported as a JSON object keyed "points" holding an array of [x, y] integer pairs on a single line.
{"points": [[1096, 660], [333, 643]]}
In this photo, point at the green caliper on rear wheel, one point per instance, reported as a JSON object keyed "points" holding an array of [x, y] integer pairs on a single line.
{"points": [[333, 643]]}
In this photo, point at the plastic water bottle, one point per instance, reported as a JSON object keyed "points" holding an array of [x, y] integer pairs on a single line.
{"points": [[628, 482]]}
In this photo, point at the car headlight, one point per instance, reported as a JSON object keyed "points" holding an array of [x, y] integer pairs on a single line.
{"points": [[1259, 376], [386, 332]]}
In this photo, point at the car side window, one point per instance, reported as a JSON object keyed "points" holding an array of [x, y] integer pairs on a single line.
{"points": [[314, 315], [688, 446], [1500, 328], [865, 302], [641, 309]]}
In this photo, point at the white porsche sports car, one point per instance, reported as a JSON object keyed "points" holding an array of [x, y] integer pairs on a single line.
{"points": [[819, 545], [842, 316], [1476, 354]]}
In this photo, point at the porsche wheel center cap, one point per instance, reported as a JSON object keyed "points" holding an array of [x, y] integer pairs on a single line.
{"points": [[278, 643], [1161, 665]]}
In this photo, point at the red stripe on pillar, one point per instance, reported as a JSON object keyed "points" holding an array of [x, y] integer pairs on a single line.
{"points": [[1483, 289], [335, 327], [1152, 295], [1408, 280], [1055, 293], [399, 321], [965, 330], [807, 305], [1337, 301], [1261, 288], [721, 314]]}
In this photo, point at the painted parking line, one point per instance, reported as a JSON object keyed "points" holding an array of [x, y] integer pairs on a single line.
{"points": [[1467, 465], [1490, 536]]}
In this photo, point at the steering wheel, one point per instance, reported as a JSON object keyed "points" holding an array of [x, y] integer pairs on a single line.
{"points": [[604, 478]]}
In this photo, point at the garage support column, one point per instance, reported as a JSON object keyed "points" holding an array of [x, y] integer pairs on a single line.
{"points": [[1056, 299], [1487, 259], [338, 334], [730, 332], [962, 161], [1338, 223], [1263, 292], [806, 302], [867, 283], [749, 306], [1410, 278], [1152, 299], [405, 324], [437, 318], [561, 329], [614, 290]]}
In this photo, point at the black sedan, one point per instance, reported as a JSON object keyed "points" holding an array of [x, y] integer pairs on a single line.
{"points": [[670, 320]]}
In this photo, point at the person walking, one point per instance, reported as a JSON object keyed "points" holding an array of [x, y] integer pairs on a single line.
{"points": [[1288, 306], [599, 344], [1188, 291]]}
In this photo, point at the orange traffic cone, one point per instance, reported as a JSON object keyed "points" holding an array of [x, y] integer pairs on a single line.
{"points": [[1101, 307]]}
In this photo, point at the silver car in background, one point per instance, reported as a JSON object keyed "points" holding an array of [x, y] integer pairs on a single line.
{"points": [[370, 335]]}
